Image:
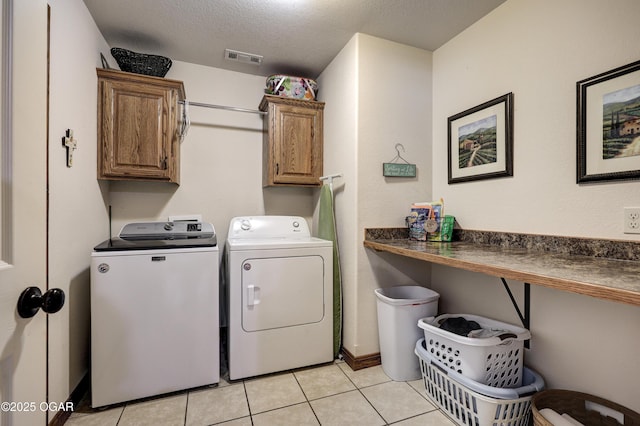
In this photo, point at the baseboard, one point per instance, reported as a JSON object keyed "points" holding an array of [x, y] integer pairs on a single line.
{"points": [[76, 396], [358, 363]]}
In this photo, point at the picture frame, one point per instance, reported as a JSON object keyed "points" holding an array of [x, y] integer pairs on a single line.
{"points": [[608, 125], [480, 141]]}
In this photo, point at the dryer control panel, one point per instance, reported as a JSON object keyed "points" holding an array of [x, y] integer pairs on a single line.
{"points": [[261, 227]]}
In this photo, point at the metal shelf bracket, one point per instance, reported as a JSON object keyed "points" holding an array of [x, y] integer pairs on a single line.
{"points": [[526, 317]]}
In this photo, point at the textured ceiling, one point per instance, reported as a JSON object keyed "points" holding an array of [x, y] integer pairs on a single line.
{"points": [[296, 37]]}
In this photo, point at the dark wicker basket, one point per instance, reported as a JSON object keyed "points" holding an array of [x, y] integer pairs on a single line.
{"points": [[574, 404], [141, 63]]}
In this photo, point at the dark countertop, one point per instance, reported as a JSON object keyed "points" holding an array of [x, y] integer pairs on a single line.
{"points": [[598, 268]]}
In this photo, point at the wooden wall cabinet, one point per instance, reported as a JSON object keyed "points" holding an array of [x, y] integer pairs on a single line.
{"points": [[292, 148], [138, 127]]}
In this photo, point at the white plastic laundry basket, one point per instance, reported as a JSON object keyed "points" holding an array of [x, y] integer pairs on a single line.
{"points": [[494, 361], [469, 403]]}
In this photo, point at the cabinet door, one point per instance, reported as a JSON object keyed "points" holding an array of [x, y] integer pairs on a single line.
{"points": [[297, 145], [138, 139]]}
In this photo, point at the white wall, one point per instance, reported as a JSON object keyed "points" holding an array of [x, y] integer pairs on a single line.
{"points": [[378, 94], [77, 212], [539, 50], [221, 160], [338, 89]]}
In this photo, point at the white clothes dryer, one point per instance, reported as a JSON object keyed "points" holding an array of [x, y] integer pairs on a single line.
{"points": [[279, 289]]}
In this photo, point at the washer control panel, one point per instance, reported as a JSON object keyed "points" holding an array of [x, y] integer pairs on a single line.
{"points": [[166, 230], [262, 227]]}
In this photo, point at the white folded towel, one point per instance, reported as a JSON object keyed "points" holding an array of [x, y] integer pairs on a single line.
{"points": [[559, 420]]}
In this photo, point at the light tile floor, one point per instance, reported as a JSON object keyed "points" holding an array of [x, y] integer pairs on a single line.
{"points": [[330, 394]]}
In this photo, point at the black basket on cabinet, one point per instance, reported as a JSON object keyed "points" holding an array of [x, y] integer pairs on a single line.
{"points": [[141, 63]]}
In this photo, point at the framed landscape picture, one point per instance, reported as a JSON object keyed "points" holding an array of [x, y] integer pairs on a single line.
{"points": [[481, 141], [608, 125]]}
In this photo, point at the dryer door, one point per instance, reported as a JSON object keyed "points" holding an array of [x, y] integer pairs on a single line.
{"points": [[282, 292]]}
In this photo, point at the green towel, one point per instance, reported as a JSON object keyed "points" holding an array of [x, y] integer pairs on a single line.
{"points": [[327, 231]]}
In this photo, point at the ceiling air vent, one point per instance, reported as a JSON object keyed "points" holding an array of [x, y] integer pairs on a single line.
{"points": [[247, 58]]}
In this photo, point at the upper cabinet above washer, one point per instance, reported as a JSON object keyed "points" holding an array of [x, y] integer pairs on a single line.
{"points": [[138, 127], [292, 147]]}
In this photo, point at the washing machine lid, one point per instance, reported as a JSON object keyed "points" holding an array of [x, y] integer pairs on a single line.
{"points": [[118, 244]]}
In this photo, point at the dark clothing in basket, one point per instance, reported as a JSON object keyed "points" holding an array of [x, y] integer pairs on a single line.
{"points": [[459, 326]]}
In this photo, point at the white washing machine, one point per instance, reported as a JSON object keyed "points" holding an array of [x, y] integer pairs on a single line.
{"points": [[154, 311], [279, 288]]}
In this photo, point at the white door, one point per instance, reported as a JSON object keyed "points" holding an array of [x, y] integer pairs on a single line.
{"points": [[23, 214], [282, 292]]}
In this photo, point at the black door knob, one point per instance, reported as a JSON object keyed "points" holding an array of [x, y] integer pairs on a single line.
{"points": [[32, 299]]}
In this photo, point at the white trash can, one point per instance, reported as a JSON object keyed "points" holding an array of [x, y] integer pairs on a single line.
{"points": [[399, 310]]}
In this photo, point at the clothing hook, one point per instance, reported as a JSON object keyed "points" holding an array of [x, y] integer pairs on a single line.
{"points": [[399, 157]]}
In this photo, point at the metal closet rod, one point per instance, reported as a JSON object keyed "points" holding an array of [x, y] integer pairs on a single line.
{"points": [[228, 108]]}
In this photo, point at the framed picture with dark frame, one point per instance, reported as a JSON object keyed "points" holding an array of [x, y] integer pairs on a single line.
{"points": [[608, 125], [481, 141]]}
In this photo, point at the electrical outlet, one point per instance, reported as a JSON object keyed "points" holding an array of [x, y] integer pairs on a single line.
{"points": [[632, 220]]}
